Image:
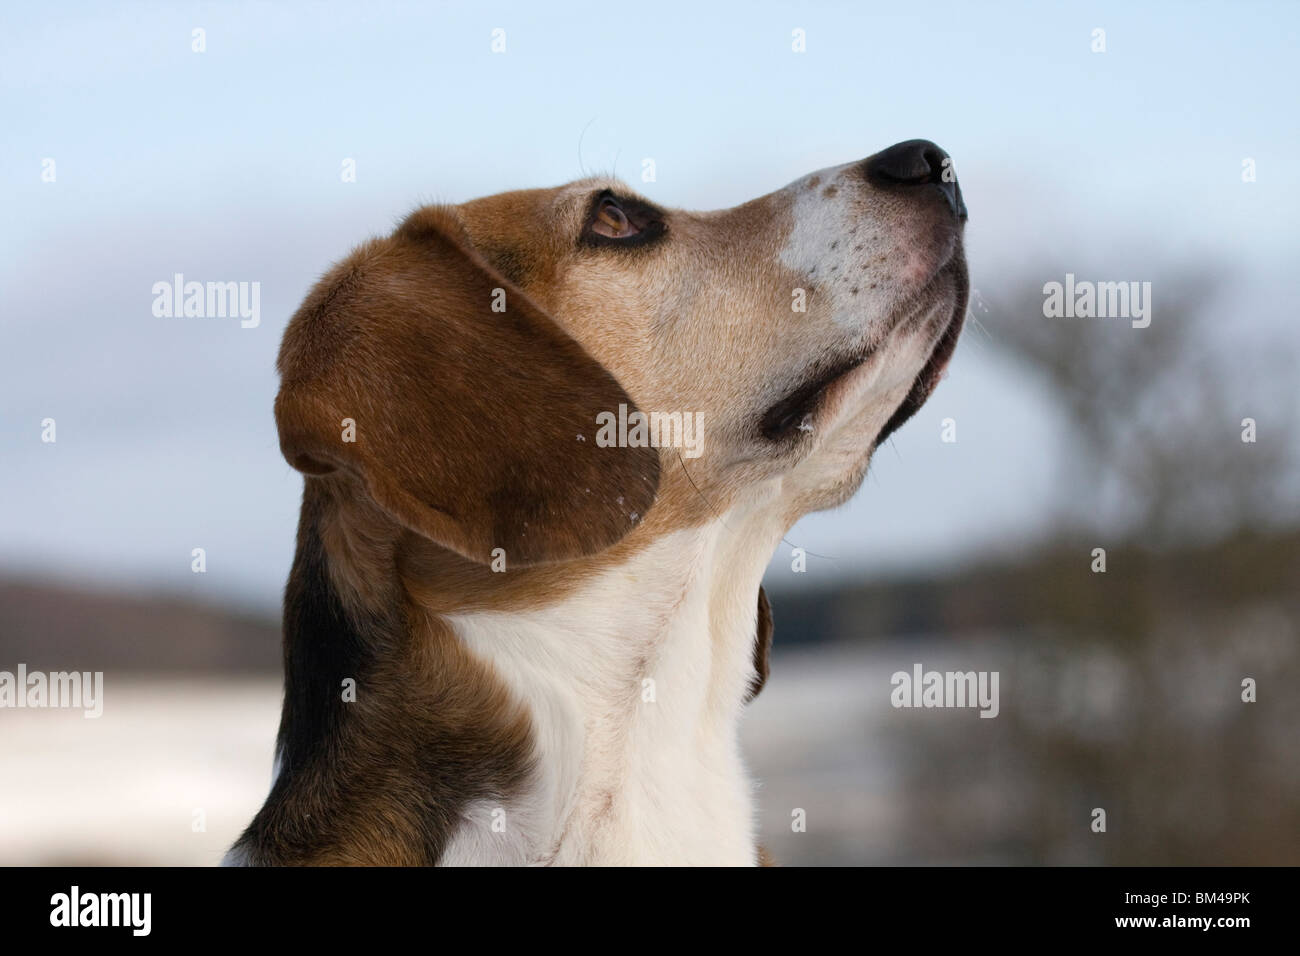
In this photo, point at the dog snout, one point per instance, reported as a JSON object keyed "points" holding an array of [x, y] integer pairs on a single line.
{"points": [[914, 164]]}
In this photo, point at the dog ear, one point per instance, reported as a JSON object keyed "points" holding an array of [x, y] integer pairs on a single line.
{"points": [[762, 645], [462, 408]]}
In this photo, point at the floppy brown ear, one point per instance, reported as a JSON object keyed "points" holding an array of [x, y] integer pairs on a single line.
{"points": [[762, 646], [473, 427]]}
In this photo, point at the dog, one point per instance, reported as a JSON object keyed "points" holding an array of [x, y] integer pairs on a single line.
{"points": [[521, 625]]}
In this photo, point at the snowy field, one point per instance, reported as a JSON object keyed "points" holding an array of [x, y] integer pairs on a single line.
{"points": [[173, 770]]}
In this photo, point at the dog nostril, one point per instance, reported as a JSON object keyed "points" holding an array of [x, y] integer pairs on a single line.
{"points": [[916, 162], [934, 158]]}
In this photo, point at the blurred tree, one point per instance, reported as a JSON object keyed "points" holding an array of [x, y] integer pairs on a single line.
{"points": [[1153, 438]]}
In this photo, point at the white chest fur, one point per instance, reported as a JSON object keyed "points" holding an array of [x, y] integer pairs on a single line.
{"points": [[635, 685]]}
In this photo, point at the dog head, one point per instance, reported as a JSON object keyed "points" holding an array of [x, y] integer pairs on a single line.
{"points": [[549, 372]]}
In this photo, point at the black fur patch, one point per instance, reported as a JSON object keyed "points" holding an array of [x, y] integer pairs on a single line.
{"points": [[385, 779]]}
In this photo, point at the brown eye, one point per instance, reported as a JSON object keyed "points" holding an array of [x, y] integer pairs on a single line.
{"points": [[611, 221], [622, 223]]}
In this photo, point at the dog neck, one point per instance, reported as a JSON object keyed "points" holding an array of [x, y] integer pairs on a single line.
{"points": [[634, 685], [601, 727]]}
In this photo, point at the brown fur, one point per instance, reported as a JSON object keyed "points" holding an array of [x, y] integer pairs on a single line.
{"points": [[762, 646], [473, 428]]}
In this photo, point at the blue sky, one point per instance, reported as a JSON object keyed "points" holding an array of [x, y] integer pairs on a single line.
{"points": [[225, 165]]}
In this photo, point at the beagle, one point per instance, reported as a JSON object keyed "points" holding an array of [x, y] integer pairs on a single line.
{"points": [[508, 641]]}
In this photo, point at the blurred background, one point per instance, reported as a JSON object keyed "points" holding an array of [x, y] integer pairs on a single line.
{"points": [[1099, 140]]}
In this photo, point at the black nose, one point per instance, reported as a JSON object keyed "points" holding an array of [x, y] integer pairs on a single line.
{"points": [[916, 162]]}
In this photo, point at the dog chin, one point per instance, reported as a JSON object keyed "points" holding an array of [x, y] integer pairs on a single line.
{"points": [[853, 429], [932, 372], [843, 443]]}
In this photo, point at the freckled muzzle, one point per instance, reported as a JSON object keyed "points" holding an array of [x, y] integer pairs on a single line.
{"points": [[927, 269]]}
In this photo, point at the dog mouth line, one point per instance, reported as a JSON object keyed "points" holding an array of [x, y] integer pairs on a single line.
{"points": [[798, 408], [796, 411]]}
